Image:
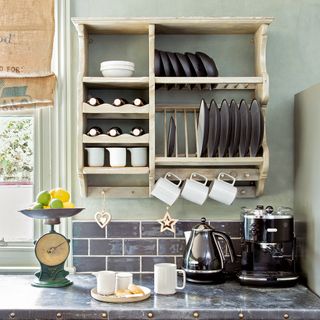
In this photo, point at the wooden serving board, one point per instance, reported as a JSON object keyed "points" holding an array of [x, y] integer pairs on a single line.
{"points": [[114, 299]]}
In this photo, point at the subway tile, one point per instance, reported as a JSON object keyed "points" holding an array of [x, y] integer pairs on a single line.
{"points": [[140, 246], [106, 247], [149, 262], [87, 230], [151, 229], [236, 246], [183, 226], [80, 247], [171, 246], [123, 229], [179, 261], [232, 228], [130, 264], [89, 264]]}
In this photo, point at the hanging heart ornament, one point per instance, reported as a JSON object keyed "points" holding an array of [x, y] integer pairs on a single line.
{"points": [[102, 218]]}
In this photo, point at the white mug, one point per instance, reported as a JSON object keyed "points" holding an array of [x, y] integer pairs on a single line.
{"points": [[223, 191], [138, 156], [166, 190], [95, 157], [106, 282], [123, 280], [195, 191], [165, 278], [118, 157]]}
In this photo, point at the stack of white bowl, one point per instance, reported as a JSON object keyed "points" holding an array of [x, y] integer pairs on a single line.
{"points": [[117, 68]]}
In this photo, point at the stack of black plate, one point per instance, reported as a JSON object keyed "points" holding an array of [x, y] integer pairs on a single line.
{"points": [[230, 130], [170, 64]]}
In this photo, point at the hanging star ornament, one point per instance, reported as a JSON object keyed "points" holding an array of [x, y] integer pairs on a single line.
{"points": [[167, 222]]}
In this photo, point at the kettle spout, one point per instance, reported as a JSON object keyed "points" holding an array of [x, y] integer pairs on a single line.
{"points": [[187, 235]]}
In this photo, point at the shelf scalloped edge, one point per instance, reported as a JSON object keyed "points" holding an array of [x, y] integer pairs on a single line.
{"points": [[111, 109], [116, 170], [123, 139]]}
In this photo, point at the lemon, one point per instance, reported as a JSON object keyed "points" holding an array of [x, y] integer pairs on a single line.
{"points": [[44, 198], [52, 192], [68, 205], [56, 204], [46, 207], [62, 194], [36, 206]]}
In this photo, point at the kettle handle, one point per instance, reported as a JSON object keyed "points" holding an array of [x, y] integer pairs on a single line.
{"points": [[229, 244]]}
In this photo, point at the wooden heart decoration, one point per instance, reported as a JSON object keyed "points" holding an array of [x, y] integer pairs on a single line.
{"points": [[102, 218]]}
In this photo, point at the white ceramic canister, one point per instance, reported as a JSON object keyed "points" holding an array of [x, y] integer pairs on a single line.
{"points": [[139, 156], [117, 157], [95, 157]]}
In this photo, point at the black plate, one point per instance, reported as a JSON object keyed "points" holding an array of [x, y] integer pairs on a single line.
{"points": [[225, 128], [158, 67], [177, 68], [185, 65], [214, 129], [257, 128], [203, 127], [168, 70], [245, 131], [167, 67], [208, 64], [197, 66], [171, 137], [235, 129]]}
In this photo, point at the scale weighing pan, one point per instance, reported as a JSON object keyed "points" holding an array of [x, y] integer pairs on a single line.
{"points": [[51, 216]]}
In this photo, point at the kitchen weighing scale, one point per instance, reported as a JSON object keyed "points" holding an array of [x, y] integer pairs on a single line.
{"points": [[52, 249]]}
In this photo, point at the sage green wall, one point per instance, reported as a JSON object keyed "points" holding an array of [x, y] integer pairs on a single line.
{"points": [[307, 160], [293, 64]]}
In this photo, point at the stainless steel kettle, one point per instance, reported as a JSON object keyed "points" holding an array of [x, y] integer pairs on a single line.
{"points": [[203, 259]]}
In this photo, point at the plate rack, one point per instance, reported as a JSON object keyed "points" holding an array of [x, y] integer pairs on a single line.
{"points": [[250, 172]]}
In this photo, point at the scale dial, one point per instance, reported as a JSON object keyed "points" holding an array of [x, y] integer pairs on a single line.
{"points": [[52, 249]]}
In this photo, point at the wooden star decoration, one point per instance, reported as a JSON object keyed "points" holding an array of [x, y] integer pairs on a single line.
{"points": [[168, 223]]}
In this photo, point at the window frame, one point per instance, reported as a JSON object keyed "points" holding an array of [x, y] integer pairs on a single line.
{"points": [[52, 146]]}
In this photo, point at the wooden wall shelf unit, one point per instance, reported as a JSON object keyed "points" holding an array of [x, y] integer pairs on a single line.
{"points": [[250, 172]]}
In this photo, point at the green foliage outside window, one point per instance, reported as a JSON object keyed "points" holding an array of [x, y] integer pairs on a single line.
{"points": [[16, 149]]}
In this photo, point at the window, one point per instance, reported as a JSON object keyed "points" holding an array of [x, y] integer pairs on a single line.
{"points": [[16, 177]]}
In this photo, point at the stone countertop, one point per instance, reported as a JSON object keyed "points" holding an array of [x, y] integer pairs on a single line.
{"points": [[19, 300]]}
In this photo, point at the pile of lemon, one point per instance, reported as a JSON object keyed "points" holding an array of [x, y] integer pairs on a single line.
{"points": [[58, 198]]}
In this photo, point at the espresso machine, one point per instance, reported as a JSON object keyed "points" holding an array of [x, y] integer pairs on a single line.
{"points": [[268, 248]]}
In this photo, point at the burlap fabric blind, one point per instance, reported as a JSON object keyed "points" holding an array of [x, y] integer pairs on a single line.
{"points": [[26, 42]]}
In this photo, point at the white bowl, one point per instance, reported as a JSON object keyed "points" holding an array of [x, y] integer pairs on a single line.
{"points": [[116, 63], [117, 72]]}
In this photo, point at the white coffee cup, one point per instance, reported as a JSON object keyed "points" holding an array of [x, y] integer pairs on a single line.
{"points": [[95, 157], [138, 156], [165, 278], [118, 157], [166, 190], [223, 191], [195, 191], [106, 282], [123, 280]]}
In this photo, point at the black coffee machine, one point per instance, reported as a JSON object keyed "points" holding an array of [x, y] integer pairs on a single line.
{"points": [[268, 256]]}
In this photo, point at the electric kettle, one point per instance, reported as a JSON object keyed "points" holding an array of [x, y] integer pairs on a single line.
{"points": [[203, 259]]}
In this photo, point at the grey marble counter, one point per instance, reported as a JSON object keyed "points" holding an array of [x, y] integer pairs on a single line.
{"points": [[19, 300]]}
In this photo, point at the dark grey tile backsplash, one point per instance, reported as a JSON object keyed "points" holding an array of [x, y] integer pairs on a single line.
{"points": [[135, 246]]}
